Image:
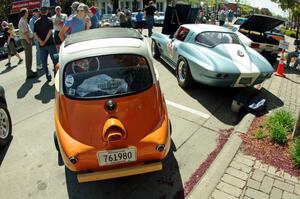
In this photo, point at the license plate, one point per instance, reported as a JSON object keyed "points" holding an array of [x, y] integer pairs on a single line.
{"points": [[117, 156], [245, 80]]}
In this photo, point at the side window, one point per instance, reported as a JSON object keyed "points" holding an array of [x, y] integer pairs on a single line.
{"points": [[182, 33]]}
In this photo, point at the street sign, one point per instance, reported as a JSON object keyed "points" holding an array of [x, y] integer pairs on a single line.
{"points": [[283, 44], [29, 4]]}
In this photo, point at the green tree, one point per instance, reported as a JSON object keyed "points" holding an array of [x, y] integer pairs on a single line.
{"points": [[4, 9], [293, 6]]}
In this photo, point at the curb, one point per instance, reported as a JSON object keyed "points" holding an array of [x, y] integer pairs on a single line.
{"points": [[212, 177]]}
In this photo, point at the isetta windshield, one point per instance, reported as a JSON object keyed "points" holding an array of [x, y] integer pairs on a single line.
{"points": [[108, 75]]}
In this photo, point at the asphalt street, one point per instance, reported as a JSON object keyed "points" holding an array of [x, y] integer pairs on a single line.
{"points": [[29, 166]]}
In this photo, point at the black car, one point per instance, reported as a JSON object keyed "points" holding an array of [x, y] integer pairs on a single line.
{"points": [[5, 120]]}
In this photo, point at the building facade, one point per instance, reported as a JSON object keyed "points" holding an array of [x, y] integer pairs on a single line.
{"points": [[110, 6]]}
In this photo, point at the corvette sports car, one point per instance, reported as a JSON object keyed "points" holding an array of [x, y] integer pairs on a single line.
{"points": [[210, 55], [110, 114]]}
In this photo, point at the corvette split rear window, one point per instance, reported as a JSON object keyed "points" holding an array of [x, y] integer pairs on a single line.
{"points": [[212, 38]]}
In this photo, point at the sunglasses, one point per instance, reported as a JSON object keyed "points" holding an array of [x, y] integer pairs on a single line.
{"points": [[80, 10]]}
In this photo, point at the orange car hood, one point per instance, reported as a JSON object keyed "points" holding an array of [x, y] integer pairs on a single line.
{"points": [[139, 113]]}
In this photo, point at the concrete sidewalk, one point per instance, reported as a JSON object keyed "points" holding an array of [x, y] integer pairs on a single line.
{"points": [[243, 176]]}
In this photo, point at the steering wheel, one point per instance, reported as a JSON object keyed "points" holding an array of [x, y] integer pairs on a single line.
{"points": [[86, 65]]}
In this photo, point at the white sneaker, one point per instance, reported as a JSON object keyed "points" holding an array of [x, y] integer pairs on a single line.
{"points": [[39, 67]]}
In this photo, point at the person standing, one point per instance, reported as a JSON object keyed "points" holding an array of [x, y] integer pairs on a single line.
{"points": [[43, 28], [122, 18], [139, 21], [58, 22], [8, 36], [222, 17], [26, 39], [149, 13], [77, 23], [128, 14], [94, 18], [35, 16]]}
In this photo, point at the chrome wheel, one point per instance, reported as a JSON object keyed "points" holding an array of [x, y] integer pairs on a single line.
{"points": [[4, 124], [182, 71]]}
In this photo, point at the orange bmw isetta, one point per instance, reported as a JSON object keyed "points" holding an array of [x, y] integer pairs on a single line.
{"points": [[110, 114]]}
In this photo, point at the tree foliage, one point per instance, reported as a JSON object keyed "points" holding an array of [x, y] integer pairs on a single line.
{"points": [[4, 9]]}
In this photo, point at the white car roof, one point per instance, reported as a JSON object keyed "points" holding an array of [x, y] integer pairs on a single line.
{"points": [[102, 41]]}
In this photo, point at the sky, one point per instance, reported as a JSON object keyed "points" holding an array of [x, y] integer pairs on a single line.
{"points": [[273, 7]]}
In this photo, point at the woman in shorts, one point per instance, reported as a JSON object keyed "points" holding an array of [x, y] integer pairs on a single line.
{"points": [[9, 34]]}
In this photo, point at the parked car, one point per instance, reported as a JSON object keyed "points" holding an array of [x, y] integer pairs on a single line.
{"points": [[259, 29], [159, 18], [112, 19], [5, 120], [110, 113], [3, 44], [210, 55]]}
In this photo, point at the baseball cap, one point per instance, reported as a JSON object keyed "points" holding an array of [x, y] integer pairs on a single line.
{"points": [[93, 9], [44, 9], [35, 10], [83, 7], [75, 5]]}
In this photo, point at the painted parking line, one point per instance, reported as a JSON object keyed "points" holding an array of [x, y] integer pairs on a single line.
{"points": [[187, 109]]}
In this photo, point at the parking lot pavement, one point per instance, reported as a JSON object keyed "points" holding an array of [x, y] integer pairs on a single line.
{"points": [[29, 165]]}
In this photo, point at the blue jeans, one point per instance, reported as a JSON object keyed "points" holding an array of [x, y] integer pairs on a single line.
{"points": [[38, 57], [44, 51], [150, 23]]}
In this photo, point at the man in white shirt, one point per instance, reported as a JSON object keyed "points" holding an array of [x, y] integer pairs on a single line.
{"points": [[26, 41], [58, 22]]}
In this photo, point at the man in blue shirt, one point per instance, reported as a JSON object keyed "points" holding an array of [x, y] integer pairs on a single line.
{"points": [[94, 19], [35, 16]]}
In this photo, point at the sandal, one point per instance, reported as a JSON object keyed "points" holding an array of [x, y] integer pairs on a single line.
{"points": [[8, 64]]}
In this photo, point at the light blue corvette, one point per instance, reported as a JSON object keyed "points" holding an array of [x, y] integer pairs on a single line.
{"points": [[210, 55]]}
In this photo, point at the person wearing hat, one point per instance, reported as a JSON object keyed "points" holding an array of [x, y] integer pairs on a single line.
{"points": [[35, 16], [58, 22], [26, 36], [77, 23], [74, 7], [8, 36], [94, 18], [43, 28]]}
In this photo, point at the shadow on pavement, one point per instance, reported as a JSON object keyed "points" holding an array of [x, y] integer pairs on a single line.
{"points": [[218, 100], [4, 150], [7, 69], [26, 87], [159, 185], [46, 94]]}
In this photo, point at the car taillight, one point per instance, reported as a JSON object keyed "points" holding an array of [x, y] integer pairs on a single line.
{"points": [[254, 45]]}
